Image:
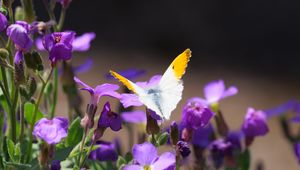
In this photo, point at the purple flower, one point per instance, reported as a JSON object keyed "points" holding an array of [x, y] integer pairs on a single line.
{"points": [[196, 114], [134, 117], [55, 165], [128, 99], [290, 105], [80, 43], [297, 151], [19, 33], [218, 150], [51, 131], [83, 42], [146, 157], [129, 74], [3, 22], [255, 123], [99, 91], [203, 136], [183, 148], [215, 91], [105, 152], [59, 45], [109, 119]]}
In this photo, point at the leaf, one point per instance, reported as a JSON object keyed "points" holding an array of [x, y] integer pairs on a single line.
{"points": [[75, 133], [34, 165], [163, 138], [120, 162], [16, 165], [62, 154], [17, 152], [11, 149], [128, 157], [28, 112]]}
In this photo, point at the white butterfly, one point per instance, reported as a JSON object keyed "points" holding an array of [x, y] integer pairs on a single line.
{"points": [[164, 97]]}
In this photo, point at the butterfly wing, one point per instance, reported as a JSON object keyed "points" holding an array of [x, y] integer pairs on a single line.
{"points": [[171, 85], [146, 98]]}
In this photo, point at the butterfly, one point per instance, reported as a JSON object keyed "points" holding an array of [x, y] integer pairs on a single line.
{"points": [[163, 97]]}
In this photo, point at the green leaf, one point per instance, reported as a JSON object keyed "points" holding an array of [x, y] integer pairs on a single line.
{"points": [[163, 138], [34, 165], [17, 153], [16, 165], [128, 157], [120, 162], [62, 154], [75, 133], [11, 149], [28, 112]]}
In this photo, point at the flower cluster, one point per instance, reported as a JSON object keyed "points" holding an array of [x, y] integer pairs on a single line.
{"points": [[35, 135]]}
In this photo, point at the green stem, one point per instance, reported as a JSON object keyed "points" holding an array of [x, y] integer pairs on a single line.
{"points": [[36, 108], [13, 120], [6, 95], [21, 121], [82, 144], [55, 93], [87, 154], [4, 78], [61, 19], [50, 12]]}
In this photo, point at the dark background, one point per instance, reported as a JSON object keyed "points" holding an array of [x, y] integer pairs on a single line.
{"points": [[260, 34], [257, 36]]}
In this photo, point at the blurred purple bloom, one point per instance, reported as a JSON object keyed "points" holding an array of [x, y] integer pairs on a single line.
{"points": [[59, 45], [235, 139], [218, 150], [215, 91], [146, 157], [195, 114], [297, 151], [19, 33], [82, 68], [295, 119], [203, 136], [134, 117], [255, 123], [3, 22], [129, 74], [83, 42], [105, 152], [183, 148], [290, 105], [109, 119], [51, 131], [99, 91], [55, 165], [64, 3], [128, 99]]}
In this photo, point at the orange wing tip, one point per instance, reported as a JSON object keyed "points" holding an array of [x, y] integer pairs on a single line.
{"points": [[122, 80], [180, 63]]}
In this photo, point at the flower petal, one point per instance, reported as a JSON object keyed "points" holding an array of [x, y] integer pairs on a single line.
{"points": [[107, 90], [82, 43], [60, 52], [164, 162], [213, 91], [134, 117], [87, 87], [86, 66], [39, 44], [144, 153], [230, 92], [128, 99], [132, 167]]}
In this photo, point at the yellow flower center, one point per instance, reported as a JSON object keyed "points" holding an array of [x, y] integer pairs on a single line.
{"points": [[146, 167]]}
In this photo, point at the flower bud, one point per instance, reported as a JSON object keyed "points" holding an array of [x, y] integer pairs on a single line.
{"points": [[183, 148], [174, 133], [19, 69], [152, 126], [31, 83], [33, 60], [4, 53]]}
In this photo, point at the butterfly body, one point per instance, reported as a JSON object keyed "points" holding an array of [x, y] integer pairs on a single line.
{"points": [[163, 97]]}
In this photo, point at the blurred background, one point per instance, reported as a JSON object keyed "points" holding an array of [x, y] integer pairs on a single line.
{"points": [[251, 44]]}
